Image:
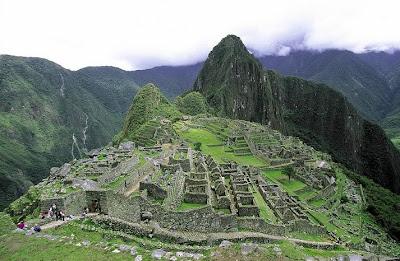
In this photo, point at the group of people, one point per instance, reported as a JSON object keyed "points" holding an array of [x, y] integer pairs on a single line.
{"points": [[22, 227], [53, 211]]}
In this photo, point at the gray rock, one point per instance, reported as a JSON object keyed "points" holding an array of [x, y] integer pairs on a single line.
{"points": [[64, 171], [278, 251], [158, 253], [124, 247], [133, 251], [53, 170], [225, 243], [174, 258], [139, 258], [246, 248], [89, 184], [86, 243], [129, 145], [355, 257], [116, 251], [310, 258], [198, 256], [168, 255]]}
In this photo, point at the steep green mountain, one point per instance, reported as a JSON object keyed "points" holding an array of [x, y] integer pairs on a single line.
{"points": [[371, 81], [235, 85], [148, 103], [192, 103], [48, 115], [365, 87]]}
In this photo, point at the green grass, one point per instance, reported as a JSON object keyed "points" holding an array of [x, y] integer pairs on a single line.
{"points": [[17, 246], [223, 211], [265, 211], [315, 238], [274, 174], [219, 152], [317, 203], [185, 206], [326, 222]]}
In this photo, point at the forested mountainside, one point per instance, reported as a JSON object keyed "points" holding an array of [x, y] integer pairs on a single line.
{"points": [[172, 80], [237, 86], [49, 115], [370, 81]]}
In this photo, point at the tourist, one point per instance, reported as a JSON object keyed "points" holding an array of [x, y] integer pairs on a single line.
{"points": [[83, 213], [49, 214], [62, 215], [21, 225], [37, 228], [42, 215]]}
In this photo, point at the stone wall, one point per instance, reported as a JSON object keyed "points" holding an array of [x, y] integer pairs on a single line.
{"points": [[153, 190], [200, 219], [71, 204], [193, 197], [306, 227], [121, 225], [128, 182], [46, 203], [75, 202], [125, 208], [122, 168], [259, 225], [101, 197]]}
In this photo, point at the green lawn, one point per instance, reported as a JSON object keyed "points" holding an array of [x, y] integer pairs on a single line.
{"points": [[274, 174], [265, 211], [219, 152], [185, 206]]}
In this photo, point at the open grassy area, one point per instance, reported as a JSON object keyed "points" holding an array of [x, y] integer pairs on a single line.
{"points": [[219, 153], [185, 206]]}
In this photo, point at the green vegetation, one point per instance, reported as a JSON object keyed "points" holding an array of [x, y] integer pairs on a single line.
{"points": [[288, 171], [42, 106], [265, 211], [219, 153], [383, 204], [184, 206], [192, 103], [147, 104]]}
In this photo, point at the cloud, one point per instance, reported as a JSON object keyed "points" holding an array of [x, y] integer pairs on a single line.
{"points": [[143, 34]]}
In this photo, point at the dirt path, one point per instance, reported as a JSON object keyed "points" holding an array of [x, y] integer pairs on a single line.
{"points": [[52, 224]]}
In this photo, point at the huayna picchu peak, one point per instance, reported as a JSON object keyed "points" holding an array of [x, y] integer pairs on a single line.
{"points": [[247, 165], [237, 86]]}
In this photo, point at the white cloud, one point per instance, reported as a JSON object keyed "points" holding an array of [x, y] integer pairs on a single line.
{"points": [[143, 34]]}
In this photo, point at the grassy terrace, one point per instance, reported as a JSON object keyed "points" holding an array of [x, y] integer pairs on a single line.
{"points": [[185, 206], [219, 153], [265, 211]]}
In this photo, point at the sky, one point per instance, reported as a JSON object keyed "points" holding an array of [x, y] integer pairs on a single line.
{"points": [[143, 34]]}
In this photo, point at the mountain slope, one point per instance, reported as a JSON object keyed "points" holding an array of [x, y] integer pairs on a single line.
{"points": [[365, 87], [232, 82], [172, 80], [314, 112], [48, 115]]}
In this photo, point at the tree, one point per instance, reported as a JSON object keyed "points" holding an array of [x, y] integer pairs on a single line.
{"points": [[289, 171], [197, 146]]}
